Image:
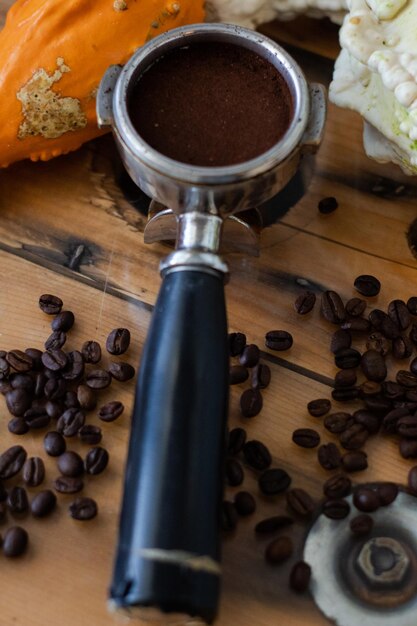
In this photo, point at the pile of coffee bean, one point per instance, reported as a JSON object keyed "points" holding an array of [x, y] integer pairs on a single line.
{"points": [[54, 386]]}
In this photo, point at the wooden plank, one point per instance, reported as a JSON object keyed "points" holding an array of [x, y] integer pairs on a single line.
{"points": [[319, 36]]}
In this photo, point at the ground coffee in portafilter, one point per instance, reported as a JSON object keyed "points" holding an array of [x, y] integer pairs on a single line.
{"points": [[211, 104]]}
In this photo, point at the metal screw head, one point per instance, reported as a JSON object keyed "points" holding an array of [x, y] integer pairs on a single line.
{"points": [[383, 562]]}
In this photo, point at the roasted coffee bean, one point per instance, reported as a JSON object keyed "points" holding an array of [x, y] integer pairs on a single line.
{"points": [[97, 460], [111, 411], [390, 421], [272, 524], [412, 479], [33, 471], [407, 426], [256, 455], [70, 464], [408, 448], [376, 317], [376, 341], [279, 550], [245, 503], [251, 402], [260, 376], [63, 321], [237, 341], [305, 302], [234, 473], [236, 441], [411, 395], [366, 500], [54, 443], [337, 487], [11, 461], [122, 371], [402, 347], [18, 401], [398, 312], [75, 366], [361, 525], [56, 340], [355, 307], [373, 366], [54, 360], [327, 205], [90, 434], [37, 417], [273, 481], [354, 437], [3, 512], [345, 394], [15, 541], [387, 493], [341, 340], [403, 377], [300, 576], [250, 355], [355, 461], [278, 340], [378, 404], [404, 404], [332, 308], [86, 397], [356, 324], [4, 368], [413, 334], [83, 509], [71, 400], [413, 366], [118, 341], [345, 378], [412, 305], [392, 390], [347, 359], [300, 502], [49, 304], [53, 409], [306, 437], [368, 420], [337, 423], [17, 500], [91, 351], [389, 329], [98, 379], [5, 387], [36, 356], [55, 389], [369, 388], [40, 381], [19, 361], [238, 374], [319, 407], [229, 516], [329, 456], [43, 503], [22, 381], [336, 509], [70, 422], [17, 426], [68, 484], [367, 285]]}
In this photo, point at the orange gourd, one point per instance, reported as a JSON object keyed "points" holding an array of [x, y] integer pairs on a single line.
{"points": [[53, 54]]}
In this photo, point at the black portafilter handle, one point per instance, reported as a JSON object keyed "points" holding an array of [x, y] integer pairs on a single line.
{"points": [[168, 548]]}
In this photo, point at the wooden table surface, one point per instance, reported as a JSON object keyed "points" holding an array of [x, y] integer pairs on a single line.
{"points": [[70, 227]]}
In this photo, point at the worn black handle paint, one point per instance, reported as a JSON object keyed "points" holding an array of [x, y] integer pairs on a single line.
{"points": [[168, 551]]}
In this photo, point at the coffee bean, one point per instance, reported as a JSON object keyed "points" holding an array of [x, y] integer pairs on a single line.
{"points": [[5, 387], [404, 378], [305, 302], [300, 502], [390, 421], [37, 417], [90, 434], [361, 525], [18, 401], [256, 455], [91, 351], [118, 341], [279, 550], [389, 329], [320, 407], [410, 394], [86, 397], [251, 402], [238, 374], [250, 355], [345, 378], [40, 381], [49, 304], [376, 341], [111, 411], [355, 461], [347, 359], [413, 334], [408, 448], [19, 361], [369, 388], [398, 312], [237, 341], [356, 324], [122, 371], [261, 376], [56, 340], [300, 576], [245, 503], [3, 512], [413, 366], [336, 509], [376, 317], [234, 473], [412, 479], [17, 426], [337, 423], [278, 340], [341, 340], [378, 404], [15, 541], [17, 501], [345, 394], [43, 503], [97, 459], [337, 487], [332, 308], [75, 366], [4, 368], [33, 471], [355, 307], [98, 379], [407, 426], [63, 321], [11, 461], [83, 509], [71, 400], [354, 437], [393, 390], [327, 205], [55, 389], [402, 347], [387, 493], [229, 516], [273, 481], [70, 422], [54, 444], [68, 484], [54, 360], [36, 356], [306, 437], [236, 441], [366, 500], [412, 305], [70, 464], [329, 456], [53, 409], [368, 420], [272, 524], [373, 366], [367, 285]]}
